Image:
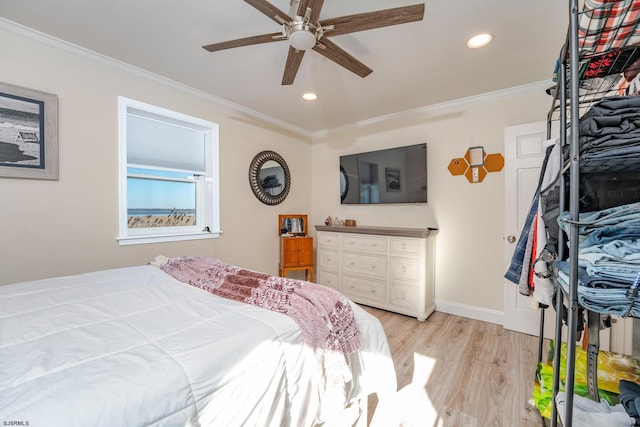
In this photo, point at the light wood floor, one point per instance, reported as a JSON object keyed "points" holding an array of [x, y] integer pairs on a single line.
{"points": [[454, 371]]}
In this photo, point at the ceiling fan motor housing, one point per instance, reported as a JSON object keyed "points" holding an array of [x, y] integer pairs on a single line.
{"points": [[301, 35]]}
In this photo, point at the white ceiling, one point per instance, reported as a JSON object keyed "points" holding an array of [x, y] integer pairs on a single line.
{"points": [[414, 65]]}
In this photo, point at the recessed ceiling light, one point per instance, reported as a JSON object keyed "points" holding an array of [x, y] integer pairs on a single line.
{"points": [[309, 96], [479, 40]]}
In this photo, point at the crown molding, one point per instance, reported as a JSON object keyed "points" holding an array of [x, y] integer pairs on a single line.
{"points": [[46, 39], [476, 99], [54, 42]]}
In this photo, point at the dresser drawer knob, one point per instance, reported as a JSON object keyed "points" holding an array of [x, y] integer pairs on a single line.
{"points": [[404, 269]]}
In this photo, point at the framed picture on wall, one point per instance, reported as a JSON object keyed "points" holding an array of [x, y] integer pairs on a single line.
{"points": [[28, 133], [392, 178]]}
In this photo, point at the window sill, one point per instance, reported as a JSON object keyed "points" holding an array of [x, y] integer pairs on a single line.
{"points": [[165, 238]]}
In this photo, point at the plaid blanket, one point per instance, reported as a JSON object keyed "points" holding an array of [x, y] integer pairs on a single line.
{"points": [[604, 25]]}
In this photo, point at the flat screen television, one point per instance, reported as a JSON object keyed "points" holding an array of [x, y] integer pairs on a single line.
{"points": [[393, 175]]}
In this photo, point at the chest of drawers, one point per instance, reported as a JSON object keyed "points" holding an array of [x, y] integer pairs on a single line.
{"points": [[387, 268]]}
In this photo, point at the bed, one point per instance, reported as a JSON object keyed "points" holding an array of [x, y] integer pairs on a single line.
{"points": [[136, 346]]}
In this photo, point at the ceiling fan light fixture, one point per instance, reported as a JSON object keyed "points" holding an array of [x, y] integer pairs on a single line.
{"points": [[304, 31], [302, 40], [479, 40]]}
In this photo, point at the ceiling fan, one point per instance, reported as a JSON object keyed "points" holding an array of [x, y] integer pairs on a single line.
{"points": [[305, 31]]}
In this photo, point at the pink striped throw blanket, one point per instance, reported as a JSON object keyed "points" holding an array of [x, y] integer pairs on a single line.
{"points": [[323, 315]]}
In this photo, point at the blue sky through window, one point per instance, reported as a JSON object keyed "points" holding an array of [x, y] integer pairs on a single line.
{"points": [[160, 194]]}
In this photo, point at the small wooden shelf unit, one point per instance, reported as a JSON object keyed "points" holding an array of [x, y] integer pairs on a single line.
{"points": [[296, 253]]}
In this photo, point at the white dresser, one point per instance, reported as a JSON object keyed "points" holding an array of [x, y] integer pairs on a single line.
{"points": [[385, 267]]}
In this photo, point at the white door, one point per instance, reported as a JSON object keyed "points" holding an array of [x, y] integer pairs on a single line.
{"points": [[524, 153]]}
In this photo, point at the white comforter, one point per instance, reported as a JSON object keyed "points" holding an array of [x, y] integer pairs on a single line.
{"points": [[134, 347]]}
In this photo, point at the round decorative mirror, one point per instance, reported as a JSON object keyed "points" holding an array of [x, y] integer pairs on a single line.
{"points": [[269, 177]]}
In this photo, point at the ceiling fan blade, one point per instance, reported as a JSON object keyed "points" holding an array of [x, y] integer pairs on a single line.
{"points": [[371, 20], [294, 59], [314, 5], [302, 6], [340, 57], [265, 38], [270, 10]]}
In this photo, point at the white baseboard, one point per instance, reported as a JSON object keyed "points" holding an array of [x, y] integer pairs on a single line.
{"points": [[470, 311]]}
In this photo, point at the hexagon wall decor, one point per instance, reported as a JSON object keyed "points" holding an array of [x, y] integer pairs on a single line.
{"points": [[476, 164], [458, 166]]}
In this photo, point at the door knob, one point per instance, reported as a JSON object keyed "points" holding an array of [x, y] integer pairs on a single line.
{"points": [[511, 239]]}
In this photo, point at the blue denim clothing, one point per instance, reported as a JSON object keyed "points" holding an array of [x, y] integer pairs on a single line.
{"points": [[609, 241], [615, 218], [608, 259], [518, 259], [521, 257], [610, 234], [584, 279], [617, 215], [630, 398], [606, 301], [618, 259], [606, 269]]}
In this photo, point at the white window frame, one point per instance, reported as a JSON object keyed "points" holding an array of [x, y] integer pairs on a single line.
{"points": [[207, 184]]}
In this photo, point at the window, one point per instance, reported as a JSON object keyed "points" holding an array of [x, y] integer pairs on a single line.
{"points": [[168, 175]]}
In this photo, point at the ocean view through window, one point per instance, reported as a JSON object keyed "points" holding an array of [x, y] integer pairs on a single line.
{"points": [[168, 175], [160, 198]]}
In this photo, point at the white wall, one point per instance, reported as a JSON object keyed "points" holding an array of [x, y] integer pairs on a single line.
{"points": [[53, 228], [470, 217]]}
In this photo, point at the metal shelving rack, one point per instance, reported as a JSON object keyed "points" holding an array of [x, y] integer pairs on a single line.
{"points": [[567, 107]]}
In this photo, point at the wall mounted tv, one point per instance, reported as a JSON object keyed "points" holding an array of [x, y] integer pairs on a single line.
{"points": [[393, 175]]}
